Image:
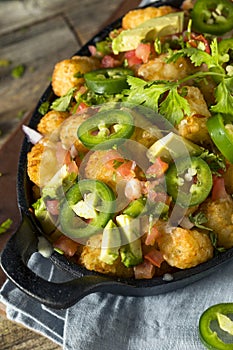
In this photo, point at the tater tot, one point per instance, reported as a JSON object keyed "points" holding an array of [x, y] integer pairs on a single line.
{"points": [[65, 74], [184, 248], [135, 17], [219, 214], [51, 121], [90, 259], [158, 69], [68, 132], [41, 164]]}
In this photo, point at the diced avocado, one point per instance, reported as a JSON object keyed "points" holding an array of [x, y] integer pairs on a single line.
{"points": [[62, 179], [172, 146], [131, 250], [43, 216], [86, 208], [111, 242], [159, 26], [135, 207]]}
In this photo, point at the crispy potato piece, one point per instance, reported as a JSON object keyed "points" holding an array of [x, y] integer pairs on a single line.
{"points": [[219, 214], [193, 126], [90, 259], [51, 122], [158, 69], [41, 164], [184, 248], [68, 132], [63, 78], [98, 168], [135, 17]]}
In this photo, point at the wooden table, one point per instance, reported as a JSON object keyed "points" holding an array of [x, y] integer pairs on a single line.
{"points": [[35, 34]]}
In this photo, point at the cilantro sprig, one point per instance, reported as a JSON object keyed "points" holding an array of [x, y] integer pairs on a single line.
{"points": [[62, 103], [214, 63], [162, 96]]}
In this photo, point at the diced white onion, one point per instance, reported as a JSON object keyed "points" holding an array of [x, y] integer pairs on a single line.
{"points": [[44, 247], [33, 136]]}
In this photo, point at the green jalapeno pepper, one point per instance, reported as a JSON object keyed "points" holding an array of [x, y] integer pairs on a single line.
{"points": [[216, 327], [222, 135], [108, 80], [189, 181], [88, 206], [212, 16], [106, 129]]}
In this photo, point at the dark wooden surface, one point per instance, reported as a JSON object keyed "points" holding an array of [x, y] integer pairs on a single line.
{"points": [[35, 34]]}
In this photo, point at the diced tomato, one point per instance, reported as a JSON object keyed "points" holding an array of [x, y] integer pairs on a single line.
{"points": [[158, 168], [143, 52], [67, 245], [144, 270], [72, 167], [152, 236], [132, 59], [199, 38], [219, 190], [81, 107], [155, 257], [52, 206], [125, 170]]}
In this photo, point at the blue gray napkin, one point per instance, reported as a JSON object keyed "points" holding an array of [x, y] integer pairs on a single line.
{"points": [[102, 321]]}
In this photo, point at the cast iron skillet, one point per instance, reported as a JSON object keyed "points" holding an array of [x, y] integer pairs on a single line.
{"points": [[24, 243]]}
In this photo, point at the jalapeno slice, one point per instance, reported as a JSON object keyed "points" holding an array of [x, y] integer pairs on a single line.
{"points": [[106, 129], [189, 181], [108, 81], [88, 206], [212, 16], [215, 327], [222, 135]]}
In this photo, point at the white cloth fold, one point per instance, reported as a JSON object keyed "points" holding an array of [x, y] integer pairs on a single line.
{"points": [[102, 321]]}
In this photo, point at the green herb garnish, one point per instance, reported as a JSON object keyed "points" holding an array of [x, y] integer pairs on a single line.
{"points": [[18, 71], [44, 107], [5, 225], [62, 103]]}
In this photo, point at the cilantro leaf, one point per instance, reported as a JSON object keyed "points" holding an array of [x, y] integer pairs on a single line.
{"points": [[44, 107], [215, 162], [198, 220], [223, 98], [142, 92], [5, 225], [174, 107], [62, 103]]}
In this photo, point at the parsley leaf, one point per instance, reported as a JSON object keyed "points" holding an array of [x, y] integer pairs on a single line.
{"points": [[62, 103], [5, 225], [174, 107]]}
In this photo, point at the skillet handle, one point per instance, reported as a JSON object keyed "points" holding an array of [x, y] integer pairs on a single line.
{"points": [[14, 260]]}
